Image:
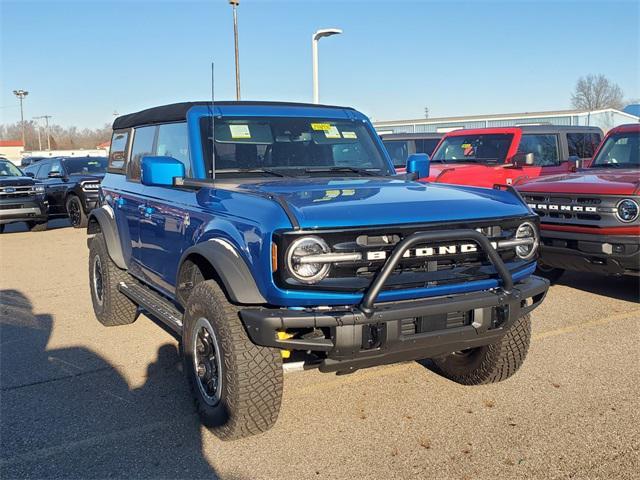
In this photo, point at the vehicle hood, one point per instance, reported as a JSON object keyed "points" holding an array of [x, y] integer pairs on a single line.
{"points": [[459, 172], [603, 181], [87, 176], [348, 202], [16, 181]]}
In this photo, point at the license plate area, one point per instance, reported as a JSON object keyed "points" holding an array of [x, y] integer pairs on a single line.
{"points": [[434, 323]]}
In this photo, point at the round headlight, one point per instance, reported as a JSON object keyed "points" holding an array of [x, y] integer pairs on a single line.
{"points": [[627, 210], [307, 272], [527, 231]]}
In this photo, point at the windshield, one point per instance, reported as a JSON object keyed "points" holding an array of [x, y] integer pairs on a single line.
{"points": [[85, 166], [8, 169], [292, 147], [621, 150], [473, 148]]}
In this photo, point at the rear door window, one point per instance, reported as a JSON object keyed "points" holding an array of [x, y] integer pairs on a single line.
{"points": [[118, 151], [543, 147], [143, 140], [583, 145]]}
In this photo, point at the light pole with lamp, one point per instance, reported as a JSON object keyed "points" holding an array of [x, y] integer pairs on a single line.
{"points": [[325, 32], [21, 94]]}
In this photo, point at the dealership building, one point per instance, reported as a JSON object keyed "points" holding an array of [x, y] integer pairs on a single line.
{"points": [[606, 119]]}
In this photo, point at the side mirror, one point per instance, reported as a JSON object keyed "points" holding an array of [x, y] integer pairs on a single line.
{"points": [[160, 171], [418, 164], [575, 162], [29, 174], [522, 159]]}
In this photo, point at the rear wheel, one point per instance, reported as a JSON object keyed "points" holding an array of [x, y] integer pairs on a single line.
{"points": [[76, 212], [110, 306], [491, 363], [550, 273], [237, 385], [37, 226]]}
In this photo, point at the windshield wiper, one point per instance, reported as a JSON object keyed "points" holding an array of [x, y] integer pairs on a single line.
{"points": [[363, 171], [252, 170]]}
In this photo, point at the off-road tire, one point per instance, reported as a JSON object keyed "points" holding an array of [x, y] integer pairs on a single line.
{"points": [[37, 226], [550, 273], [115, 308], [75, 210], [251, 375], [491, 363]]}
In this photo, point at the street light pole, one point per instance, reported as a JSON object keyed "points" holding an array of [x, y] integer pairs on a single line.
{"points": [[21, 94], [326, 32], [234, 4]]}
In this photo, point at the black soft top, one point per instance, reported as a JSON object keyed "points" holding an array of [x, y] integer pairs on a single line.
{"points": [[176, 112]]}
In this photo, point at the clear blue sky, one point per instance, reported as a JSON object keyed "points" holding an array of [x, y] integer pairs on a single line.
{"points": [[81, 60]]}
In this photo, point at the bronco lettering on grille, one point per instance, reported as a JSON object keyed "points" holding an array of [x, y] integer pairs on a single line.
{"points": [[423, 252]]}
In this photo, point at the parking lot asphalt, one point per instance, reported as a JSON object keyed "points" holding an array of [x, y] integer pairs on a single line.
{"points": [[79, 400]]}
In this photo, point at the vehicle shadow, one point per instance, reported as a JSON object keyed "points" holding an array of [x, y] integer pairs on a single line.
{"points": [[68, 413], [22, 226], [626, 288]]}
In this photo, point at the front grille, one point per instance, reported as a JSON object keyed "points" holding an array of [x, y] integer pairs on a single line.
{"points": [[414, 271], [21, 191], [578, 210]]}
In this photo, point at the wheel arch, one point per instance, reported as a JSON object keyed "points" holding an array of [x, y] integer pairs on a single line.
{"points": [[101, 220], [217, 259]]}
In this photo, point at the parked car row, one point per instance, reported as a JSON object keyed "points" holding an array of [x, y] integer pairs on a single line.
{"points": [[50, 188]]}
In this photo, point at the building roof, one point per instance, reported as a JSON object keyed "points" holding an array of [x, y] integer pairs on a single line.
{"points": [[11, 143], [505, 116], [178, 111]]}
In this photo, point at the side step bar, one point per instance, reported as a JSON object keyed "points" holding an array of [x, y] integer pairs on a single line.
{"points": [[155, 304]]}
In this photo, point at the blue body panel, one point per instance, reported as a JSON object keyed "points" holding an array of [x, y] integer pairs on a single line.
{"points": [[158, 223]]}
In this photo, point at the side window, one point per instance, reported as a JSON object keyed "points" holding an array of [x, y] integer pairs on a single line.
{"points": [[173, 142], [582, 145], [118, 151], [56, 167], [543, 147], [142, 146], [42, 170]]}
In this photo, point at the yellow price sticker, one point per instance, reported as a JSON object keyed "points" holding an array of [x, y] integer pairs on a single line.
{"points": [[321, 126]]}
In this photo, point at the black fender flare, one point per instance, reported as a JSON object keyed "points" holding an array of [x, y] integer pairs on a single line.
{"points": [[103, 216], [230, 267]]}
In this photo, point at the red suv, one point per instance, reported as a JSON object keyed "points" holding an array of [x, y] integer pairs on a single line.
{"points": [[589, 219], [510, 155]]}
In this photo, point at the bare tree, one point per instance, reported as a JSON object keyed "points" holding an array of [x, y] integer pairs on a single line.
{"points": [[61, 137], [595, 92]]}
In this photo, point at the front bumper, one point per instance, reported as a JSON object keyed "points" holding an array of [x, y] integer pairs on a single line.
{"points": [[584, 252], [23, 210], [398, 331]]}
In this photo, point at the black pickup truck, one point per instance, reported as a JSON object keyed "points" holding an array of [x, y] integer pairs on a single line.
{"points": [[71, 185]]}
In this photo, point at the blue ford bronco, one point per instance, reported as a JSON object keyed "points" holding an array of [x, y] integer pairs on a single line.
{"points": [[262, 232]]}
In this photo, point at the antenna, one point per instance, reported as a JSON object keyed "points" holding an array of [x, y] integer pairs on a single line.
{"points": [[213, 131]]}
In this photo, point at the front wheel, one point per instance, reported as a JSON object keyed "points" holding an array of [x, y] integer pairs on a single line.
{"points": [[237, 385], [77, 217], [491, 363]]}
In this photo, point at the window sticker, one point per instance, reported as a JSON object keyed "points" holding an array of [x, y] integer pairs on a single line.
{"points": [[467, 149], [349, 135], [332, 132], [240, 131], [320, 126]]}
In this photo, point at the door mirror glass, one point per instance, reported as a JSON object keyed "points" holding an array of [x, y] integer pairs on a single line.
{"points": [[418, 165], [160, 171], [523, 159]]}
